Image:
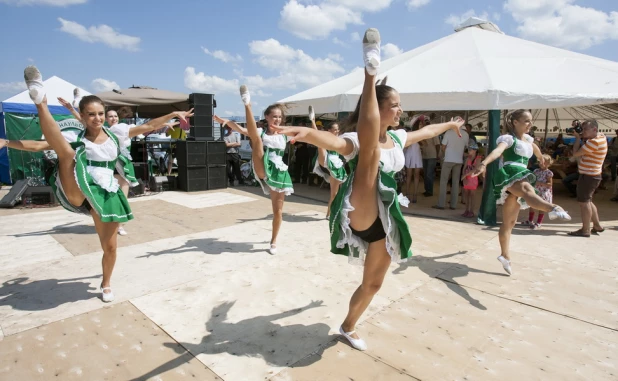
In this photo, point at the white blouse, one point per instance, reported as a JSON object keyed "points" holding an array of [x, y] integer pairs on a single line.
{"points": [[391, 159], [106, 151], [277, 141], [121, 131], [522, 148]]}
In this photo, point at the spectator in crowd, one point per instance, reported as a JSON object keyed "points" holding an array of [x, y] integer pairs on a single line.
{"points": [[591, 156], [453, 148], [429, 151], [302, 161], [232, 143], [612, 155]]}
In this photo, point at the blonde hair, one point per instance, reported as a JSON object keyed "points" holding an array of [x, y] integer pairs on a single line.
{"points": [[548, 159]]}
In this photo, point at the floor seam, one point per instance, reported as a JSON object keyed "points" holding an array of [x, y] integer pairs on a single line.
{"points": [[530, 305]]}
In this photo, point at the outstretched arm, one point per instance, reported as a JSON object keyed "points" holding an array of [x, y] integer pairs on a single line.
{"points": [[495, 154], [432, 130], [25, 145], [321, 139], [233, 125], [69, 107], [158, 123], [538, 153]]}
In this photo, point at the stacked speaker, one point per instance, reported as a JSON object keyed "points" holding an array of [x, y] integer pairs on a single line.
{"points": [[202, 127], [201, 165]]}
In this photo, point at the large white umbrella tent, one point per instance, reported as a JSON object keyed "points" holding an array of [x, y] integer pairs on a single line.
{"points": [[478, 68]]}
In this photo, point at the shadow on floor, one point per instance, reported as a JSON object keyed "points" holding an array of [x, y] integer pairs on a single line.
{"points": [[68, 228], [287, 218], [46, 294], [256, 337], [211, 246], [433, 267]]}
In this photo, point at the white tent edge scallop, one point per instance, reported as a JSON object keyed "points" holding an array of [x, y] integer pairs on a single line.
{"points": [[477, 69]]}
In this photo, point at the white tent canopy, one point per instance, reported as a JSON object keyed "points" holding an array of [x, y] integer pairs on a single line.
{"points": [[477, 69], [55, 86]]}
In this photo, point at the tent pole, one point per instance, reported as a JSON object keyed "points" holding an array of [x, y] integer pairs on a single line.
{"points": [[546, 127], [487, 212]]}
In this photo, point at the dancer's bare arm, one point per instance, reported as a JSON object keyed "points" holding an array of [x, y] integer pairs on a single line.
{"points": [[25, 145], [320, 139], [538, 154], [233, 125], [494, 155], [69, 107], [432, 130], [158, 123]]}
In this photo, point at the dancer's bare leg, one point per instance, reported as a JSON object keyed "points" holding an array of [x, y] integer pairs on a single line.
{"points": [[510, 211], [277, 199], [417, 177], [257, 147], [377, 262], [334, 188], [409, 172], [526, 191], [124, 186], [109, 243]]}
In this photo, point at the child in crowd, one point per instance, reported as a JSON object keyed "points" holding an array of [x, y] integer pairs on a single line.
{"points": [[543, 187], [470, 184]]}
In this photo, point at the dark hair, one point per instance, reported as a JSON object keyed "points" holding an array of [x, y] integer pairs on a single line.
{"points": [[512, 116], [106, 112], [279, 106], [331, 125], [382, 93], [468, 125], [88, 99], [592, 122]]}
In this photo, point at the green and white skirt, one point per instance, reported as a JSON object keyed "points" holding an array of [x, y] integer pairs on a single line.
{"points": [[398, 238], [335, 168], [109, 206], [508, 175], [125, 168], [277, 176]]}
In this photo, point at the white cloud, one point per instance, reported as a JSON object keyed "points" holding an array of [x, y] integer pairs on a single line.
{"points": [[456, 20], [496, 16], [209, 84], [30, 59], [295, 67], [300, 19], [355, 36], [53, 3], [11, 87], [102, 33], [415, 4], [391, 50], [223, 56], [335, 57], [364, 5], [356, 68], [562, 23], [100, 84], [337, 41]]}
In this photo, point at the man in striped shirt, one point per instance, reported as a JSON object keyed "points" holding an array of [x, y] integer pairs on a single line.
{"points": [[591, 157]]}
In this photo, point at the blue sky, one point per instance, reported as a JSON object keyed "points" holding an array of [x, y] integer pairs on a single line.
{"points": [[277, 47]]}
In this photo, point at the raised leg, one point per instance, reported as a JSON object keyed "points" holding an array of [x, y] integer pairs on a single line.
{"points": [[524, 190]]}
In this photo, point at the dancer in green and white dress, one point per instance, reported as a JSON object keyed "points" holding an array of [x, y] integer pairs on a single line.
{"points": [[513, 184], [366, 222], [84, 180], [267, 150], [329, 164]]}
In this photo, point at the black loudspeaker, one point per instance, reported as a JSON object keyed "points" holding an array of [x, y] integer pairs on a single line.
{"points": [[217, 177], [39, 195], [139, 189], [193, 179], [137, 151], [162, 183], [203, 105], [14, 195], [140, 169], [216, 153], [191, 153]]}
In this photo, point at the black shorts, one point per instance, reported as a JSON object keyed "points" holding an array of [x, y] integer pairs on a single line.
{"points": [[373, 234]]}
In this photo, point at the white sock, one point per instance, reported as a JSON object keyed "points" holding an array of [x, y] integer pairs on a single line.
{"points": [[34, 82], [371, 51], [77, 97], [311, 113], [244, 94]]}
